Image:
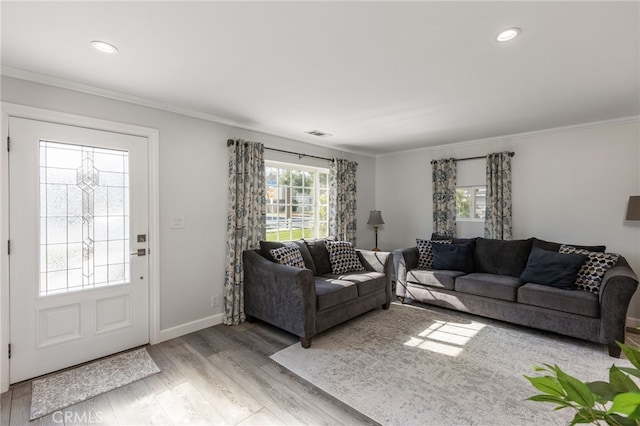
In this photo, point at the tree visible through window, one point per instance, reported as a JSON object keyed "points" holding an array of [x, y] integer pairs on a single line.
{"points": [[296, 201], [471, 203]]}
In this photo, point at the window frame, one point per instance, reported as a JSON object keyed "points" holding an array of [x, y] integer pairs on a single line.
{"points": [[316, 189], [472, 191]]}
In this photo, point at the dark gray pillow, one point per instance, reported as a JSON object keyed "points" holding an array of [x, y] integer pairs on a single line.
{"points": [[267, 246], [306, 255], [501, 257], [453, 257], [553, 269], [551, 246], [320, 255]]}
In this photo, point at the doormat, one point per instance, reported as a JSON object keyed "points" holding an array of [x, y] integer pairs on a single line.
{"points": [[69, 387]]}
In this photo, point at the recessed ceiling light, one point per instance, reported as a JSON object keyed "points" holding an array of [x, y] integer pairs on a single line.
{"points": [[104, 47], [508, 34]]}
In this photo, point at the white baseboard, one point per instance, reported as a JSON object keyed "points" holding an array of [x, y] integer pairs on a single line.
{"points": [[190, 327], [633, 322]]}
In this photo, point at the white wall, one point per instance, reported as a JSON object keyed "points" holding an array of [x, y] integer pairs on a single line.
{"points": [[569, 185], [193, 185]]}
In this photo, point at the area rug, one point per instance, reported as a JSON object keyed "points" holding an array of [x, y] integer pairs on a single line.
{"points": [[413, 365], [69, 387]]}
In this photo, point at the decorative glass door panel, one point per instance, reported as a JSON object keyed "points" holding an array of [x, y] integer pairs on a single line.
{"points": [[84, 217]]}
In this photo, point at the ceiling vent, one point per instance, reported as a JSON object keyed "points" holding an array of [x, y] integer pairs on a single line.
{"points": [[318, 133]]}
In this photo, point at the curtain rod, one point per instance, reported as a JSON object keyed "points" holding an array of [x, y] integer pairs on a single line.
{"points": [[231, 142], [511, 154]]}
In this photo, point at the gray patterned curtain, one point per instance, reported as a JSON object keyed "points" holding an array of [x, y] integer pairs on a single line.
{"points": [[245, 220], [444, 196], [342, 200], [497, 222]]}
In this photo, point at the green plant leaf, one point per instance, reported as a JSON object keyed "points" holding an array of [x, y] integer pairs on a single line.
{"points": [[632, 371], [547, 384], [602, 390], [620, 382], [617, 420], [635, 415], [563, 403], [625, 403], [577, 391], [632, 354], [584, 416]]}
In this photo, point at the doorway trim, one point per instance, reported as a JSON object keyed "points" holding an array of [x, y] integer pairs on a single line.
{"points": [[153, 138]]}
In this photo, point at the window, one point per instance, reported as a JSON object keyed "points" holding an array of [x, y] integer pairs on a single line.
{"points": [[297, 200], [471, 203]]}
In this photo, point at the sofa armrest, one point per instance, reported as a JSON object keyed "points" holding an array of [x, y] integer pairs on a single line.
{"points": [[404, 260], [378, 261], [281, 295], [617, 288]]}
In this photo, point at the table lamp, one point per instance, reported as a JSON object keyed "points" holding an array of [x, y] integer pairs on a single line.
{"points": [[375, 219]]}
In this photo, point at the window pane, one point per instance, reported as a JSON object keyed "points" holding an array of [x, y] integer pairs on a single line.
{"points": [[292, 210], [480, 203], [463, 203]]}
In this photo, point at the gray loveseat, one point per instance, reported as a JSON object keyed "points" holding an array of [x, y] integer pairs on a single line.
{"points": [[492, 286], [307, 301]]}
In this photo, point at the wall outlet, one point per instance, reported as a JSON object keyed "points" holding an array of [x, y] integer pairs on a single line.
{"points": [[215, 301]]}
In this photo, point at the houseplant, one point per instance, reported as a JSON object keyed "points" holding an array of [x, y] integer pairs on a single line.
{"points": [[616, 402]]}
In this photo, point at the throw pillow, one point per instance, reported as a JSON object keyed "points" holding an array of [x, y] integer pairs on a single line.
{"points": [[343, 257], [590, 275], [453, 257], [501, 257], [552, 268], [288, 255], [425, 255]]}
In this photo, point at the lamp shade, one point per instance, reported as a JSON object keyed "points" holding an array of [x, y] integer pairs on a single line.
{"points": [[375, 218], [633, 209]]}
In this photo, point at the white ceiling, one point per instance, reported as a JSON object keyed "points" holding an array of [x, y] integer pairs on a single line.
{"points": [[379, 76]]}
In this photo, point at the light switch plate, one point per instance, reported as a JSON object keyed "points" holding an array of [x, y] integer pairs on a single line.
{"points": [[177, 222]]}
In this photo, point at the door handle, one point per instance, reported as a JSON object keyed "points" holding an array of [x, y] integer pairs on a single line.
{"points": [[140, 252]]}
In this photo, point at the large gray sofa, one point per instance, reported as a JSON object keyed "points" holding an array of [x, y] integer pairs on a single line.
{"points": [[492, 287], [308, 301]]}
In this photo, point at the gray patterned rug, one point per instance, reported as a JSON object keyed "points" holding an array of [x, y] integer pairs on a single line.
{"points": [[61, 390], [415, 365]]}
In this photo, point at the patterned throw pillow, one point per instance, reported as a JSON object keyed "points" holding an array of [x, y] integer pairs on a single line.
{"points": [[288, 255], [425, 258], [592, 271], [343, 257]]}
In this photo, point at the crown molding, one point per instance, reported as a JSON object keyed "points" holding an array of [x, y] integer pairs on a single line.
{"points": [[33, 77], [561, 129]]}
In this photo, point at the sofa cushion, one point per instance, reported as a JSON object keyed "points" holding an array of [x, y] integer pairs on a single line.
{"points": [[366, 281], [331, 292], [453, 257], [590, 275], [552, 268], [551, 246], [320, 255], [570, 301], [501, 287], [425, 253], [437, 237], [306, 255], [288, 255], [442, 279], [343, 257], [501, 257]]}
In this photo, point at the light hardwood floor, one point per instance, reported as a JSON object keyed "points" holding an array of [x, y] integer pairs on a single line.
{"points": [[217, 376]]}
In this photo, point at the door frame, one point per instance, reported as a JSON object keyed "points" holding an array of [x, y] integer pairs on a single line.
{"points": [[153, 138]]}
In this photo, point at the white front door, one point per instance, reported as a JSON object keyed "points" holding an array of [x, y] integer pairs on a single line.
{"points": [[78, 224]]}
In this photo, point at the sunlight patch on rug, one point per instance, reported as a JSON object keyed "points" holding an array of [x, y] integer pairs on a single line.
{"points": [[427, 365], [69, 387]]}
